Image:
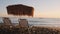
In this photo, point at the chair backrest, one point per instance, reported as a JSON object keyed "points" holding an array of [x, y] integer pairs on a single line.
{"points": [[7, 21], [23, 23]]}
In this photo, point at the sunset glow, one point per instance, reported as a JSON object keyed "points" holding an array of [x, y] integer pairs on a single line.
{"points": [[42, 8]]}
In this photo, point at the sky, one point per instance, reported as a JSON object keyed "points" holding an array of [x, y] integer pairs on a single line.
{"points": [[42, 8]]}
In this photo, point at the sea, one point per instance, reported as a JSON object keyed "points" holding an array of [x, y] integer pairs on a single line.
{"points": [[50, 22]]}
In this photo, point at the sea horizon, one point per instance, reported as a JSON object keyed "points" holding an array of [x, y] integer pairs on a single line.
{"points": [[51, 22]]}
